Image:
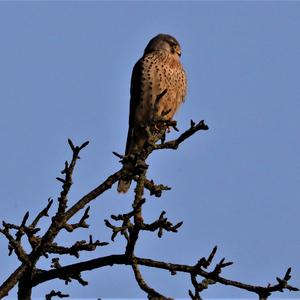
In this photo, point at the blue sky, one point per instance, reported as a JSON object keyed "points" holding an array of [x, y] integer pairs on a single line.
{"points": [[65, 73]]}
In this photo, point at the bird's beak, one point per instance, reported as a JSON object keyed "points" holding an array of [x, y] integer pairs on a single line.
{"points": [[176, 49]]}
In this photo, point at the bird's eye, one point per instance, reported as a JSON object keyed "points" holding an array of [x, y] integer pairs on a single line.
{"points": [[172, 43]]}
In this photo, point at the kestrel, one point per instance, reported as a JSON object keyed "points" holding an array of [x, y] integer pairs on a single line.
{"points": [[158, 87]]}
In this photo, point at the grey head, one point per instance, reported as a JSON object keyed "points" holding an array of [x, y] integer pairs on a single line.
{"points": [[163, 42]]}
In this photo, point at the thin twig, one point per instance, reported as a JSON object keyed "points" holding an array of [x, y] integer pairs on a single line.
{"points": [[55, 294], [175, 143], [152, 294]]}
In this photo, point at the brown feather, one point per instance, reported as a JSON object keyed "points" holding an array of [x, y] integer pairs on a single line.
{"points": [[159, 70]]}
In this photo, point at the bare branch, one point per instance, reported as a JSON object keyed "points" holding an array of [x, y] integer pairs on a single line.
{"points": [[118, 155], [76, 248], [67, 277], [205, 263], [175, 143], [67, 181], [81, 223], [132, 223], [152, 294], [196, 295], [153, 188], [12, 280], [127, 224], [103, 187], [161, 224], [56, 294], [171, 267], [123, 230], [138, 218], [15, 245], [43, 213]]}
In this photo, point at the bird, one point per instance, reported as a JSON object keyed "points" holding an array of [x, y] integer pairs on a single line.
{"points": [[158, 88]]}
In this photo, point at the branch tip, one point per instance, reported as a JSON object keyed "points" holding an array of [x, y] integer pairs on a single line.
{"points": [[84, 145], [71, 145], [53, 293], [118, 155]]}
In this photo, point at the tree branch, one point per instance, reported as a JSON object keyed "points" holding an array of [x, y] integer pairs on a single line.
{"points": [[111, 260], [175, 143], [132, 224], [55, 294], [152, 294]]}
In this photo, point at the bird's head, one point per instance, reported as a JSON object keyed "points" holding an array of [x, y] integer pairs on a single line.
{"points": [[163, 42]]}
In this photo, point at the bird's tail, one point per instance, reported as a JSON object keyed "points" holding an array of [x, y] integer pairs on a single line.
{"points": [[124, 185]]}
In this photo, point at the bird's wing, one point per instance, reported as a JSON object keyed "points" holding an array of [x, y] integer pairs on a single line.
{"points": [[147, 83], [135, 98]]}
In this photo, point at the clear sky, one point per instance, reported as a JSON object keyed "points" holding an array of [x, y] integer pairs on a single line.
{"points": [[65, 69]]}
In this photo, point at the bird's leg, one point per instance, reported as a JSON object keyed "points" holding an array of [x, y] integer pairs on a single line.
{"points": [[171, 123], [159, 121], [164, 124]]}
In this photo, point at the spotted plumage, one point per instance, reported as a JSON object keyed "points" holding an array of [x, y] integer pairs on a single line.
{"points": [[158, 87]]}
